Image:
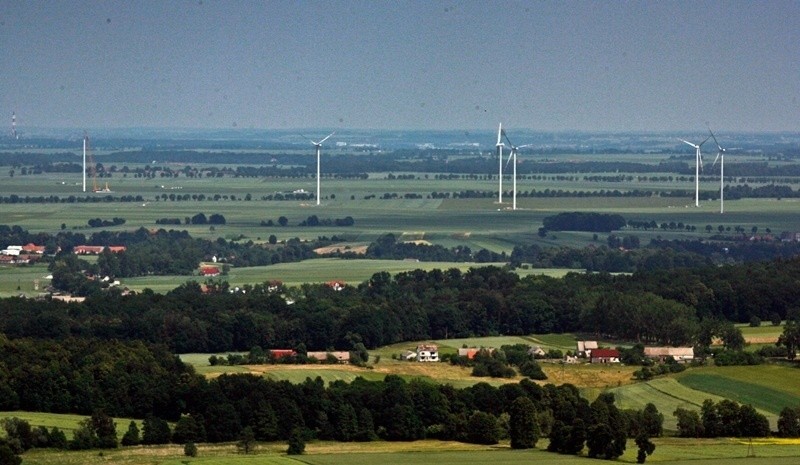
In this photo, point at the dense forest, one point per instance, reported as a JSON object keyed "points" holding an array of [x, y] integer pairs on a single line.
{"points": [[665, 307]]}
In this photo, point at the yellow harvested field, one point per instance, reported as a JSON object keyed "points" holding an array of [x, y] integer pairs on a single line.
{"points": [[358, 249], [583, 375]]}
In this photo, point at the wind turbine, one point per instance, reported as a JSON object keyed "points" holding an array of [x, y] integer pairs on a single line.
{"points": [[698, 165], [721, 157], [500, 157], [513, 155], [85, 142], [318, 146]]}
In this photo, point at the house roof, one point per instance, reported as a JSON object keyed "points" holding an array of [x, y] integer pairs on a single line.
{"points": [[669, 351], [605, 353], [31, 247]]}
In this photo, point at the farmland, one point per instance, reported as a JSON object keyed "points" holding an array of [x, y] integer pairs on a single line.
{"points": [[668, 451], [423, 208]]}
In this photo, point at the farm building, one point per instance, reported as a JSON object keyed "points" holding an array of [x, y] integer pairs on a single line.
{"points": [[96, 249], [604, 356], [470, 352], [427, 353], [536, 351], [661, 354], [32, 248], [209, 271], [584, 347], [281, 353], [336, 285], [13, 250]]}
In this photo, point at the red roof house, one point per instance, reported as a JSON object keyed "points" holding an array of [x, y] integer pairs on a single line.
{"points": [[604, 356], [33, 248], [209, 271], [88, 249], [281, 353]]}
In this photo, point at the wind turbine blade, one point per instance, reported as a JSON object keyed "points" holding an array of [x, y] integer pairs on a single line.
{"points": [[687, 142], [526, 145], [507, 139], [704, 141], [513, 152], [715, 139], [715, 160], [700, 157], [499, 134], [327, 137]]}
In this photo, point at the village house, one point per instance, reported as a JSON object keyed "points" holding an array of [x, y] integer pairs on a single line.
{"points": [[470, 352], [281, 353], [427, 353], [661, 354], [536, 352], [32, 248], [336, 285], [604, 356], [97, 249], [585, 347], [209, 271]]}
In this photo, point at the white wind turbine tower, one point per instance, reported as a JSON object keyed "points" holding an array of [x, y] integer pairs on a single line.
{"points": [[85, 143], [721, 157], [318, 146], [500, 158], [513, 155], [698, 165]]}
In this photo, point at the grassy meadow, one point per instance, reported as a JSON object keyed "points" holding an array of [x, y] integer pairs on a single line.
{"points": [[67, 423]]}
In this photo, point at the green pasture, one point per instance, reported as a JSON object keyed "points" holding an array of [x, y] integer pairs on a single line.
{"points": [[562, 342], [318, 270], [768, 388], [758, 394], [765, 331], [328, 376], [67, 423], [20, 279], [667, 394]]}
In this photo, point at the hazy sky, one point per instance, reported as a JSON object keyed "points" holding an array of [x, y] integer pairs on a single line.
{"points": [[544, 65]]}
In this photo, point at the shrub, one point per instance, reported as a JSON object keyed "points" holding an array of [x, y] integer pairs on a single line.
{"points": [[190, 449]]}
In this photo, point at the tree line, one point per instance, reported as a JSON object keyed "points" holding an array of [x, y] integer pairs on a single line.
{"points": [[664, 307]]}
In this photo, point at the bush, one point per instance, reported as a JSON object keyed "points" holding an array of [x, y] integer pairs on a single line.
{"points": [[532, 370], [190, 449], [297, 442], [755, 321]]}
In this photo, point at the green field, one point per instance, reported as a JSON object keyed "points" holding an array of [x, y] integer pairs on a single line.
{"points": [[768, 388], [477, 223], [65, 422], [318, 270], [758, 395]]}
